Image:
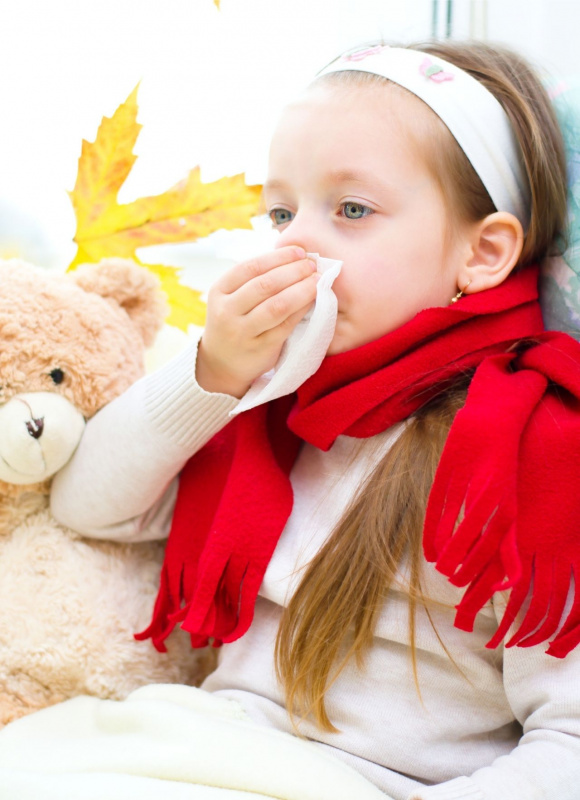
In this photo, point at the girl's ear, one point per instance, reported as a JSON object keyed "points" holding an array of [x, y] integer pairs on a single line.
{"points": [[496, 245]]}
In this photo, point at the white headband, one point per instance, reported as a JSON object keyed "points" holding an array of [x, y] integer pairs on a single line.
{"points": [[472, 114]]}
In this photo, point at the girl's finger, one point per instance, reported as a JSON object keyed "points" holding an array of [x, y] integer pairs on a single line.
{"points": [[276, 310], [237, 276], [287, 326], [269, 285]]}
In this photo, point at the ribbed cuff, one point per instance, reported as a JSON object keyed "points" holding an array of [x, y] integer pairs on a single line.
{"points": [[458, 789], [179, 408]]}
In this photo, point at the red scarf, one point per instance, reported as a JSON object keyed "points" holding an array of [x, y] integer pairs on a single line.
{"points": [[508, 472]]}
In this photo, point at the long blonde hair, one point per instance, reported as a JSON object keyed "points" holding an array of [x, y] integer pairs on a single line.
{"points": [[332, 615]]}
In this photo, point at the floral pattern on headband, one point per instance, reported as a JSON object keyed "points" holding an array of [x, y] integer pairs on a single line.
{"points": [[359, 55], [434, 71]]}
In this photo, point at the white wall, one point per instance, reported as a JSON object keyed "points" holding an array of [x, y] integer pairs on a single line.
{"points": [[546, 31]]}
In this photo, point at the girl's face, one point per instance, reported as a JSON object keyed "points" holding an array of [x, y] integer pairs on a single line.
{"points": [[347, 180]]}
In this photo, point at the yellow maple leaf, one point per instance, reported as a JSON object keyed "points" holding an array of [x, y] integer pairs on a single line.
{"points": [[216, 4], [187, 211], [187, 308]]}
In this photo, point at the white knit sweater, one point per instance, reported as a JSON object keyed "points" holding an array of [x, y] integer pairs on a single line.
{"points": [[497, 725]]}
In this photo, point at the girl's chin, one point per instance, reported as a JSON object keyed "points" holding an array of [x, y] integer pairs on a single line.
{"points": [[346, 337], [338, 345], [334, 348]]}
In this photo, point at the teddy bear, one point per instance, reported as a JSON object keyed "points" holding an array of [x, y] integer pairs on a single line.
{"points": [[69, 606]]}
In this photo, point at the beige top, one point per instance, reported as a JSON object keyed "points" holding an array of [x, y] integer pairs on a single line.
{"points": [[497, 725]]}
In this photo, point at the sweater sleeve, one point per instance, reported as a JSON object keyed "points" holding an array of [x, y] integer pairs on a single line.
{"points": [[121, 482], [544, 695]]}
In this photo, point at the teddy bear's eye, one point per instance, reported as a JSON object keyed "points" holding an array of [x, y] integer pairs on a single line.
{"points": [[57, 375]]}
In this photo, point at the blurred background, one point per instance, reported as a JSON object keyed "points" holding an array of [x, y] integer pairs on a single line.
{"points": [[213, 81]]}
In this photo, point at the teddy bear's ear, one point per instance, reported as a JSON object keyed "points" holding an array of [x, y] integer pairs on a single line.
{"points": [[136, 289]]}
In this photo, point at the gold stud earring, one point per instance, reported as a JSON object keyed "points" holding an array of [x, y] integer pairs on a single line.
{"points": [[460, 293]]}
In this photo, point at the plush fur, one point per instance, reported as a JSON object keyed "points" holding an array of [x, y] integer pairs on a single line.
{"points": [[68, 605]]}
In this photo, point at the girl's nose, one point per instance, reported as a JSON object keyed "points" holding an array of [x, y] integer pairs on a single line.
{"points": [[298, 232]]}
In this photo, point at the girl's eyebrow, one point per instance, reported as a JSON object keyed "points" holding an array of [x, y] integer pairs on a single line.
{"points": [[368, 179], [273, 184], [336, 176], [351, 176]]}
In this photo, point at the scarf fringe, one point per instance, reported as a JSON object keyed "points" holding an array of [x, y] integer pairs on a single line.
{"points": [[545, 593], [215, 609], [472, 518], [161, 624], [217, 612], [542, 589], [546, 590], [478, 539]]}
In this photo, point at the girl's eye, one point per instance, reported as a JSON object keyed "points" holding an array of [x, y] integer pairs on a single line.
{"points": [[280, 216], [356, 210]]}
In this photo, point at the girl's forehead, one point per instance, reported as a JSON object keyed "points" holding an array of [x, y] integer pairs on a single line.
{"points": [[376, 116], [327, 102]]}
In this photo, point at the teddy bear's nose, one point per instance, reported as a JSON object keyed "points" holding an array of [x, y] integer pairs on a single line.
{"points": [[35, 427]]}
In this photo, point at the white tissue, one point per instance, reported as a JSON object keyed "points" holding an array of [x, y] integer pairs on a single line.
{"points": [[305, 348]]}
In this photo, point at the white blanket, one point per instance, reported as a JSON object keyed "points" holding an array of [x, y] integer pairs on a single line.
{"points": [[165, 742]]}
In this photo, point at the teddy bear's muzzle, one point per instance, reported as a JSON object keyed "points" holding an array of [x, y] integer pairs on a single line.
{"points": [[39, 432]]}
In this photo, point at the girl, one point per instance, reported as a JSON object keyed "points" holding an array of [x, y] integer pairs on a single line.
{"points": [[387, 554]]}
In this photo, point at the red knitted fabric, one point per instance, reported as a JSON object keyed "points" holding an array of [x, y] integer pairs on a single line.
{"points": [[503, 512]]}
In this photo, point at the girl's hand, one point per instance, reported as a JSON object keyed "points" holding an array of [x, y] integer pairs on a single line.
{"points": [[251, 311]]}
